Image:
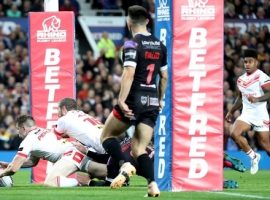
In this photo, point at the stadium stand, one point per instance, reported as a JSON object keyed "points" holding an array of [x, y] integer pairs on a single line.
{"points": [[97, 87], [254, 16]]}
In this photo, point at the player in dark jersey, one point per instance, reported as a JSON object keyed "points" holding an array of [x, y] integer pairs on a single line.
{"points": [[140, 99], [112, 164]]}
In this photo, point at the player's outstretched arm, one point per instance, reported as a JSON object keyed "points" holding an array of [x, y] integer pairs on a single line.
{"points": [[13, 167], [30, 162]]}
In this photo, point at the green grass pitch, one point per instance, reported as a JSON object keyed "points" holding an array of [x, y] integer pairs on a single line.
{"points": [[251, 187]]}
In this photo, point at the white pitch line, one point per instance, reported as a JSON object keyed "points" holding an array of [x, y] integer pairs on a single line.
{"points": [[241, 195]]}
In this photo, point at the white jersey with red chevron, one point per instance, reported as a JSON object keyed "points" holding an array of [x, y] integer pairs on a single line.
{"points": [[82, 127], [42, 143], [252, 85]]}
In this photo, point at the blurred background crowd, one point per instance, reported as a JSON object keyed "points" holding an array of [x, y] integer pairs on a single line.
{"points": [[98, 80]]}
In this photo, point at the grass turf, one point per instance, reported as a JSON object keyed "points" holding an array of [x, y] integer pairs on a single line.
{"points": [[250, 187]]}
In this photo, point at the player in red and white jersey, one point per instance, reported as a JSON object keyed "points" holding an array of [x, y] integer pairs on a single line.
{"points": [[254, 92], [79, 125], [39, 143]]}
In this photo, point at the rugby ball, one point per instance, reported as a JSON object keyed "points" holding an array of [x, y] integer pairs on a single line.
{"points": [[6, 181]]}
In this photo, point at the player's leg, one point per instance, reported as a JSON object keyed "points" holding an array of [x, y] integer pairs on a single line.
{"points": [[96, 170], [233, 163], [264, 141], [113, 127], [57, 175], [141, 139], [239, 128]]}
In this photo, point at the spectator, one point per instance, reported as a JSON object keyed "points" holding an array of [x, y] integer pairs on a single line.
{"points": [[26, 8], [107, 50], [13, 11], [246, 13], [2, 12], [69, 5], [230, 13]]}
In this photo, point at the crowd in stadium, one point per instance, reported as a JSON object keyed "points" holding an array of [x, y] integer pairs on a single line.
{"points": [[98, 82], [235, 41]]}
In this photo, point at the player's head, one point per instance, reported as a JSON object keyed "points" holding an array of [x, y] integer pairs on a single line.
{"points": [[250, 60], [25, 124], [137, 17], [66, 105]]}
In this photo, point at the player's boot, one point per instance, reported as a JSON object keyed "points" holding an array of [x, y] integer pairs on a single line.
{"points": [[255, 164], [230, 184], [126, 171], [153, 190], [236, 164]]}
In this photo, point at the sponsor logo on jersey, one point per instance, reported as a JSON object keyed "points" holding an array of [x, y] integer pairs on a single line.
{"points": [[130, 54], [149, 55], [153, 101], [152, 43], [143, 100], [51, 31], [198, 10]]}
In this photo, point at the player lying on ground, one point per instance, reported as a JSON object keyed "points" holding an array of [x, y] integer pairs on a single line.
{"points": [[112, 165], [87, 130], [39, 143]]}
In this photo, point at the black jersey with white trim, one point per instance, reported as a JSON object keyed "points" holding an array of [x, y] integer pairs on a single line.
{"points": [[148, 55]]}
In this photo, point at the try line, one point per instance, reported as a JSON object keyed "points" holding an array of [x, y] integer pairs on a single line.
{"points": [[242, 195]]}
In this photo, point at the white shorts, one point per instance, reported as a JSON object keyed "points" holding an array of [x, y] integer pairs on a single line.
{"points": [[78, 158], [259, 123]]}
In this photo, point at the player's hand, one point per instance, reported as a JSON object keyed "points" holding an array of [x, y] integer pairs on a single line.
{"points": [[125, 109], [252, 99], [80, 147], [3, 164], [229, 116]]}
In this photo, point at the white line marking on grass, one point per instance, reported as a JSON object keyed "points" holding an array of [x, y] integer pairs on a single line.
{"points": [[241, 195]]}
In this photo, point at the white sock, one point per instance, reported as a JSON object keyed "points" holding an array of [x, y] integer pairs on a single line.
{"points": [[251, 154], [66, 182]]}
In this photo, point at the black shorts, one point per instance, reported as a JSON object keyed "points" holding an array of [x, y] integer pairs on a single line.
{"points": [[148, 117]]}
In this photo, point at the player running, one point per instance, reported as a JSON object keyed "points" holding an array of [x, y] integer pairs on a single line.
{"points": [[254, 87]]}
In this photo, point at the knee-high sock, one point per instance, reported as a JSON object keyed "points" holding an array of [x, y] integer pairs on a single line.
{"points": [[66, 182], [146, 167], [112, 147]]}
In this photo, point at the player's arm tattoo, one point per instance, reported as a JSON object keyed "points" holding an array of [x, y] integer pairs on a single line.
{"points": [[30, 162], [264, 97]]}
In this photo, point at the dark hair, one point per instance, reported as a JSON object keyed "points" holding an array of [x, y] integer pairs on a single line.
{"points": [[137, 14], [69, 103], [250, 53], [25, 119]]}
